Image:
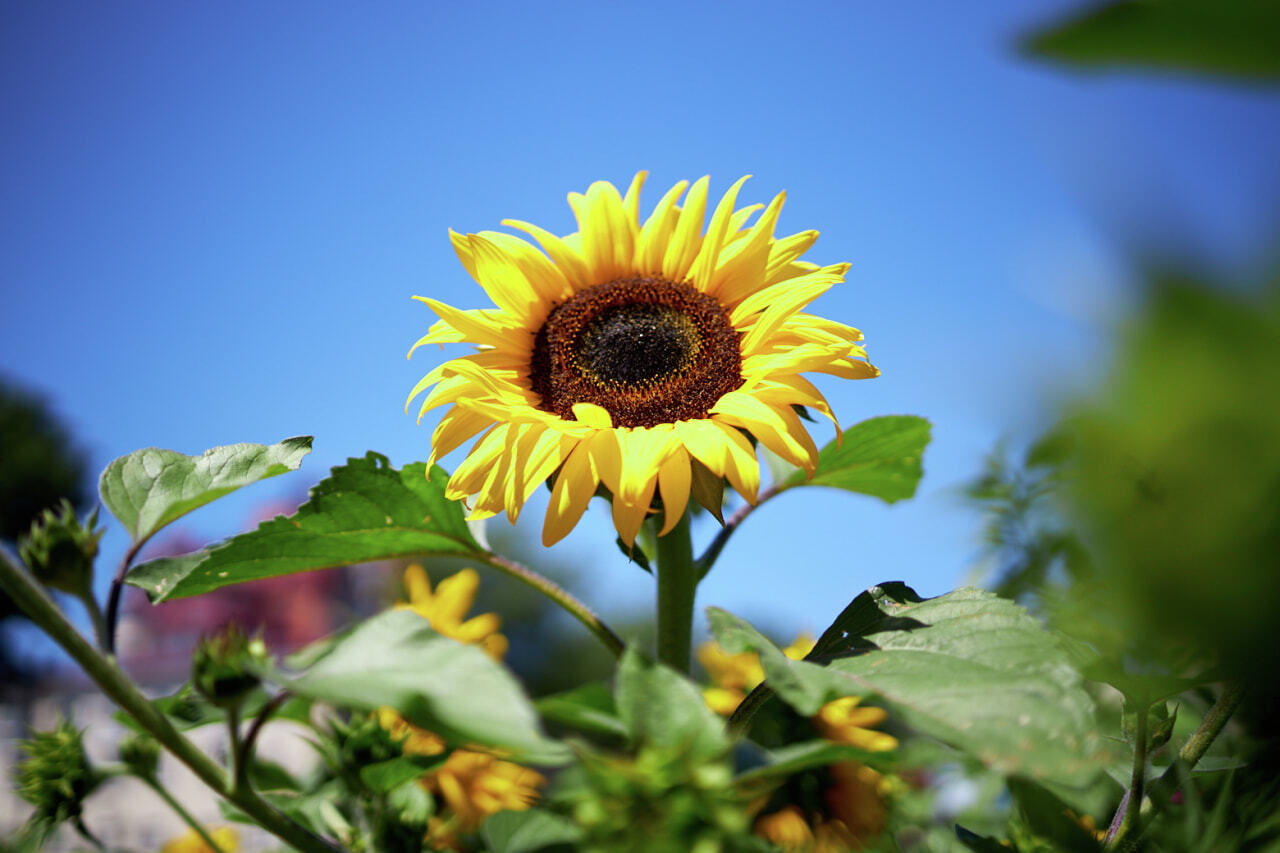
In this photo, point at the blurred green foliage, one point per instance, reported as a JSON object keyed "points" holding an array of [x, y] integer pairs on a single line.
{"points": [[1177, 481], [1240, 38]]}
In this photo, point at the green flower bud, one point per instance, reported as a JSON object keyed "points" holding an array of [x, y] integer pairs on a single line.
{"points": [[56, 776], [141, 754], [60, 552], [226, 666]]}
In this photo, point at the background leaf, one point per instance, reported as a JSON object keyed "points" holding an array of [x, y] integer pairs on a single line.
{"points": [[1238, 37], [457, 691], [151, 487], [364, 511], [528, 830], [880, 457], [588, 708], [662, 708], [969, 668]]}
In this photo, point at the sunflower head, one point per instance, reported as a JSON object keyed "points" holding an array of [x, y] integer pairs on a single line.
{"points": [[637, 356]]}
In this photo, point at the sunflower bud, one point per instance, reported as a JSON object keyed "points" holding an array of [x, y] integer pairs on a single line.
{"points": [[60, 551], [141, 754], [226, 666], [56, 776]]}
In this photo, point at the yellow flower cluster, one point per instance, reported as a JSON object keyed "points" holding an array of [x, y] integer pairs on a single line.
{"points": [[469, 785], [854, 800]]}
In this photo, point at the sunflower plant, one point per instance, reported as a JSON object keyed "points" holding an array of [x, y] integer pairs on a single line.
{"points": [[653, 363]]}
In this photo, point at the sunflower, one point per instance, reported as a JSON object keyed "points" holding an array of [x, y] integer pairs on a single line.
{"points": [[644, 357]]}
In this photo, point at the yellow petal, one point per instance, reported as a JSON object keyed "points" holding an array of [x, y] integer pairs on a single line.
{"points": [[455, 595], [568, 261], [714, 240], [592, 415], [607, 237], [687, 238], [674, 478], [631, 201], [574, 486], [656, 234]]}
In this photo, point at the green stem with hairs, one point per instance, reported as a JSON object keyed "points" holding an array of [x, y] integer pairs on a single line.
{"points": [[575, 608], [41, 609], [677, 584]]}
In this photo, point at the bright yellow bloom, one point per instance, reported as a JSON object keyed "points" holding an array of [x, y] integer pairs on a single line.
{"points": [[227, 839], [446, 609], [472, 785], [853, 807], [640, 356]]}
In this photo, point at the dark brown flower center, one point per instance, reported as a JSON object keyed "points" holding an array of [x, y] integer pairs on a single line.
{"points": [[648, 351]]}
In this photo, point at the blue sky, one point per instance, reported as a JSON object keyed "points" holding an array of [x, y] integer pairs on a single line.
{"points": [[214, 216]]}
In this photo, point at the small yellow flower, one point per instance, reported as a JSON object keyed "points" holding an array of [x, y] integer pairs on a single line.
{"points": [[446, 609], [733, 676], [227, 839]]}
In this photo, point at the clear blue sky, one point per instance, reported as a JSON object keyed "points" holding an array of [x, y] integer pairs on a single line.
{"points": [[214, 215]]}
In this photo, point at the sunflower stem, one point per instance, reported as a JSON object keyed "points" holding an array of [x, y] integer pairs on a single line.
{"points": [[677, 585]]}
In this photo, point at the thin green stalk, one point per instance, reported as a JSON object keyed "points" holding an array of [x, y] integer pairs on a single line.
{"points": [[190, 821], [709, 556], [239, 766], [41, 609], [576, 608], [95, 616], [1190, 754], [677, 584], [1131, 805]]}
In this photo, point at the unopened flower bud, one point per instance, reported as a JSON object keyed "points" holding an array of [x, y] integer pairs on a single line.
{"points": [[141, 754], [226, 666], [56, 776], [60, 551]]}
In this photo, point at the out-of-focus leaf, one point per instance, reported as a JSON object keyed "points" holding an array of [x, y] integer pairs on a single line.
{"points": [[384, 776], [1051, 818], [396, 660], [795, 757], [664, 709], [365, 511], [588, 708], [1235, 37], [151, 487], [969, 668], [527, 831], [880, 457], [979, 843]]}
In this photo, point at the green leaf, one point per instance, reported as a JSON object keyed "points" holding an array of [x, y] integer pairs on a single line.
{"points": [[1236, 37], [529, 830], [662, 708], [804, 686], [384, 776], [880, 457], [795, 757], [364, 511], [969, 668], [588, 708], [1051, 818], [457, 691], [151, 487]]}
